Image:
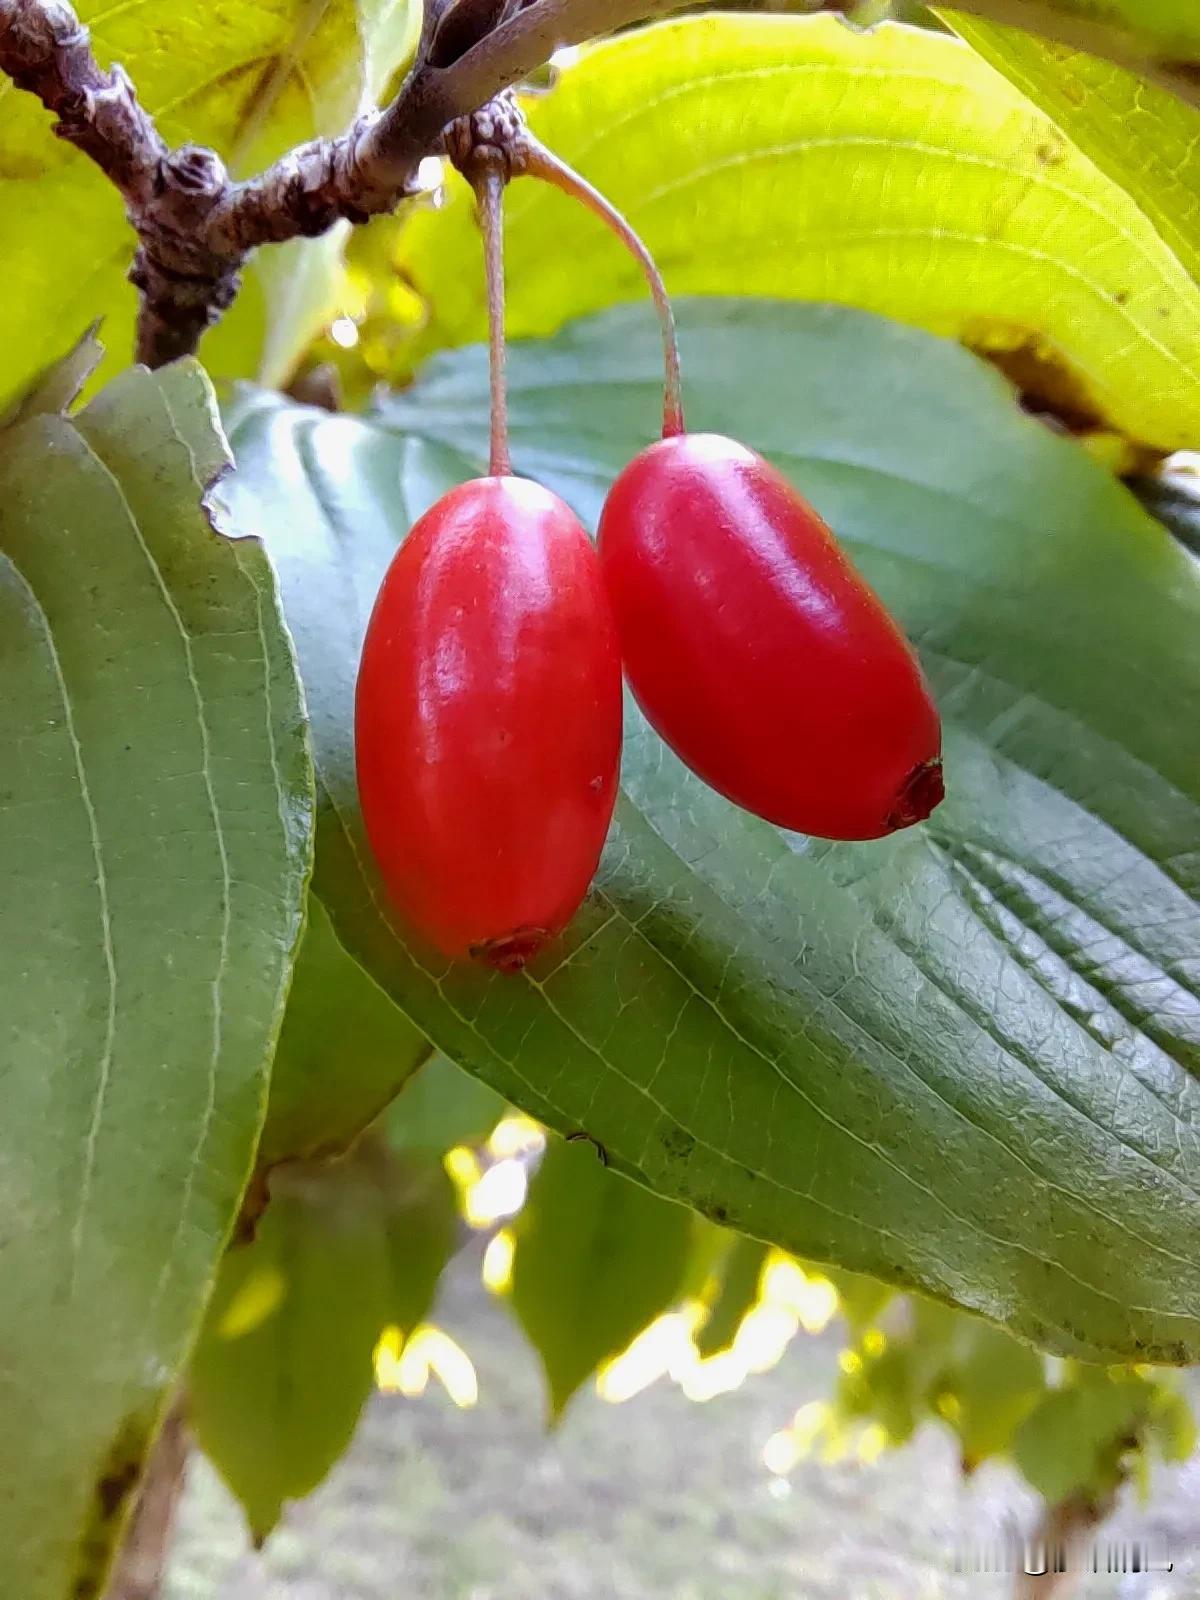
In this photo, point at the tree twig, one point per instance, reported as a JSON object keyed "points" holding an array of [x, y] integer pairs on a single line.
{"points": [[195, 227], [141, 1562]]}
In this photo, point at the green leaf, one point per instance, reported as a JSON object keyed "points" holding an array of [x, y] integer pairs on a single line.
{"points": [[55, 391], [996, 1381], [741, 1272], [422, 1228], [249, 80], [768, 155], [960, 1059], [860, 1299], [1171, 1424], [707, 1254], [1142, 137], [440, 1107], [155, 817], [597, 1258], [1079, 1435], [1157, 38], [344, 1052], [283, 1364]]}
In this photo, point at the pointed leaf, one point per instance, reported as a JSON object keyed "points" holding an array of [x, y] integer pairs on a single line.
{"points": [[597, 1258], [155, 814], [741, 1273], [345, 1249], [996, 1381], [283, 1364], [1158, 39]]}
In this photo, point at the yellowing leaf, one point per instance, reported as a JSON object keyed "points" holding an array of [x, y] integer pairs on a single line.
{"points": [[1157, 38], [250, 80], [1143, 137], [893, 170]]}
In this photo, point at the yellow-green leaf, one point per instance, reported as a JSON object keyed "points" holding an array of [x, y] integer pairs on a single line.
{"points": [[1157, 38], [250, 80], [894, 170], [1144, 138]]}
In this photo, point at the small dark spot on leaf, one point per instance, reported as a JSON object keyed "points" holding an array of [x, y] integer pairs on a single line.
{"points": [[1122, 297], [1189, 71], [21, 166], [719, 1213], [679, 1143], [115, 1485], [1051, 153]]}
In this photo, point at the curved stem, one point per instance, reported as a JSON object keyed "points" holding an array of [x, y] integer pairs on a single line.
{"points": [[539, 162], [489, 189]]}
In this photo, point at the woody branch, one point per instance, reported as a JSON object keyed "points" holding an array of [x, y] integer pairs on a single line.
{"points": [[195, 227]]}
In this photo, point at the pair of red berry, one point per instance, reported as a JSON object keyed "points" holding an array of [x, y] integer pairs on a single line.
{"points": [[489, 698], [488, 722]]}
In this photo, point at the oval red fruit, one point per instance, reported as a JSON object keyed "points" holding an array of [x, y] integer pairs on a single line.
{"points": [[488, 721], [758, 652]]}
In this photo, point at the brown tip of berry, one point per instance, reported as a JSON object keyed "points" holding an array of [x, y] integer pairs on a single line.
{"points": [[922, 793], [511, 951]]}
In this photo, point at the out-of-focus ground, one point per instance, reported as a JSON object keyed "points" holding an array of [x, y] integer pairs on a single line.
{"points": [[659, 1498]]}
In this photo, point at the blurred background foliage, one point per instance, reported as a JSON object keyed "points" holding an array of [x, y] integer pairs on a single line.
{"points": [[614, 1287]]}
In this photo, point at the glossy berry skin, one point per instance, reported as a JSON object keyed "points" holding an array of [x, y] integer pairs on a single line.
{"points": [[758, 652], [488, 721]]}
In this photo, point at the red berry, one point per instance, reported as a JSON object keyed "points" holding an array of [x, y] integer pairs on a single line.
{"points": [[758, 652], [488, 721]]}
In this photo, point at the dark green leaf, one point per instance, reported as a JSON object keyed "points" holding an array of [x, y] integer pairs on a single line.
{"points": [[422, 1227], [344, 1052], [155, 816], [1078, 1435], [961, 1058], [442, 1106], [996, 1381], [597, 1259]]}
